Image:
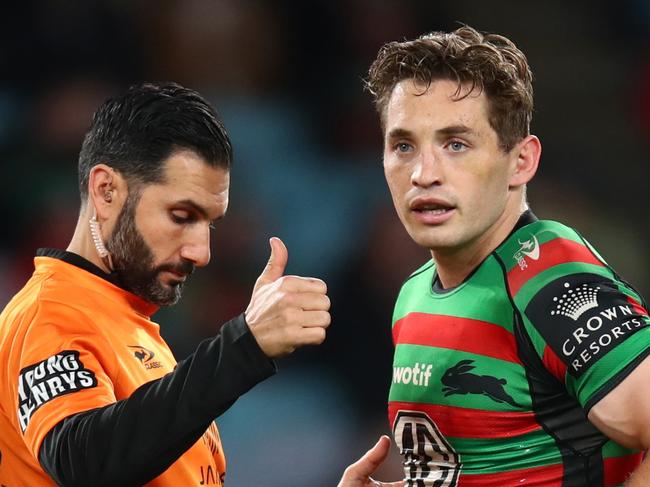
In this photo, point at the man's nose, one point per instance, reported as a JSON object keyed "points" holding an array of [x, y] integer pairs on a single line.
{"points": [[197, 248], [427, 170]]}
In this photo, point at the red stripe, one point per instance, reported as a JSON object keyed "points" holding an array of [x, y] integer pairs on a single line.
{"points": [[547, 476], [553, 364], [454, 333], [618, 469], [553, 252], [456, 422], [637, 306]]}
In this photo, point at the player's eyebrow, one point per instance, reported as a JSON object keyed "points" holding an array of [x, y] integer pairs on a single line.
{"points": [[398, 132], [448, 131], [455, 130], [198, 208]]}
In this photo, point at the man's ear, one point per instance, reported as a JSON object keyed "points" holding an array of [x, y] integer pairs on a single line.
{"points": [[106, 191], [526, 156]]}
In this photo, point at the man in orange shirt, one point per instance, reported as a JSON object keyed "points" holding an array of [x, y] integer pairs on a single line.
{"points": [[90, 393]]}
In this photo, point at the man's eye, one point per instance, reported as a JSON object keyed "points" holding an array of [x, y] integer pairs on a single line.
{"points": [[180, 217], [403, 147], [457, 146]]}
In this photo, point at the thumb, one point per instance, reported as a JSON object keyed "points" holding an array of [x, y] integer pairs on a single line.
{"points": [[277, 262], [367, 464]]}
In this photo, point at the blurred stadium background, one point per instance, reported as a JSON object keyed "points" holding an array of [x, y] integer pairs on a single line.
{"points": [[286, 78]]}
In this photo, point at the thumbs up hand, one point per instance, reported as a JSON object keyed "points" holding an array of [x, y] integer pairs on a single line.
{"points": [[286, 312]]}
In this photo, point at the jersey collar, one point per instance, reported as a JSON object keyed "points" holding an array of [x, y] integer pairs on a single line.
{"points": [[142, 306], [526, 218]]}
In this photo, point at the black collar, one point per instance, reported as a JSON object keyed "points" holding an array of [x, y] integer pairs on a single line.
{"points": [[78, 261]]}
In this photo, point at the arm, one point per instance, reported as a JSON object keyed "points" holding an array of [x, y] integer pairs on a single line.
{"points": [[133, 440], [624, 416]]}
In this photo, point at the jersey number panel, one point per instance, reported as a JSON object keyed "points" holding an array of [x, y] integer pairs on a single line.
{"points": [[429, 459]]}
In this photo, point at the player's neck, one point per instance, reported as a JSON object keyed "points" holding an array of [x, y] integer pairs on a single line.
{"points": [[453, 266]]}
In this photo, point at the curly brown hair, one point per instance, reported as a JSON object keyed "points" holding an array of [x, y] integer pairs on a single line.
{"points": [[487, 62]]}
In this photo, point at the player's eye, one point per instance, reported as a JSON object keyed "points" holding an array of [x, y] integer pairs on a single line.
{"points": [[181, 217], [456, 146], [403, 147]]}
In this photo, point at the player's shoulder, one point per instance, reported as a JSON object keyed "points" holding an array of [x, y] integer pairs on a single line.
{"points": [[424, 273], [531, 240], [545, 244], [50, 300]]}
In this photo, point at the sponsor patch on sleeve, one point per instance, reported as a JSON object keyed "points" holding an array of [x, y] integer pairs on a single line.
{"points": [[582, 317], [55, 376]]}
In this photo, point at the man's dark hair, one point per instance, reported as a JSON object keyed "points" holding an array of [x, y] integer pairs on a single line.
{"points": [[136, 132], [486, 62]]}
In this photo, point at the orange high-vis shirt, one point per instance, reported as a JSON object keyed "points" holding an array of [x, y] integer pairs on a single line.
{"points": [[71, 341]]}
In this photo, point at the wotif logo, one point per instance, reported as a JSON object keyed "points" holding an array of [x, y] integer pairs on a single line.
{"points": [[527, 248], [418, 375]]}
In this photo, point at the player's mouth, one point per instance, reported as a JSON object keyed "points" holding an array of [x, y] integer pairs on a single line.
{"points": [[431, 211], [177, 276]]}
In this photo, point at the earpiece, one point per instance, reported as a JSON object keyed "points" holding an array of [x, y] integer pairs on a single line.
{"points": [[96, 235]]}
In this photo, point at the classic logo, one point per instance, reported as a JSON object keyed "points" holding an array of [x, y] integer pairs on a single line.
{"points": [[583, 316], [458, 380], [527, 248], [55, 376], [429, 458], [145, 356]]}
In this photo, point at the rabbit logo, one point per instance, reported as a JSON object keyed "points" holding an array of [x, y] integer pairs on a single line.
{"points": [[459, 380]]}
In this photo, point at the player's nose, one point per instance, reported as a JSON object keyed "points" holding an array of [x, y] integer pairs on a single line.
{"points": [[197, 248]]}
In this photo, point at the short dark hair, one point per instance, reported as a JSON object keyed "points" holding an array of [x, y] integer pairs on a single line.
{"points": [[136, 132], [486, 62]]}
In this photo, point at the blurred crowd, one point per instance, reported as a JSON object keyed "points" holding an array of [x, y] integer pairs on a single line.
{"points": [[286, 77]]}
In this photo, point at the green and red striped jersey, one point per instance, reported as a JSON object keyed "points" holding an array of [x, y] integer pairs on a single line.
{"points": [[493, 379]]}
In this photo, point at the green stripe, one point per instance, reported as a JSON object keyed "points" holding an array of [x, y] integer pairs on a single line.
{"points": [[536, 283], [442, 359], [481, 298], [612, 450], [485, 455], [608, 366], [543, 230]]}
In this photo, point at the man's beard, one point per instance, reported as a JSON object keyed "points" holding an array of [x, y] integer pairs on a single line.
{"points": [[133, 261]]}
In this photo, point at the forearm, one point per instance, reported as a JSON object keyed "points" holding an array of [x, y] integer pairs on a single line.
{"points": [[134, 440]]}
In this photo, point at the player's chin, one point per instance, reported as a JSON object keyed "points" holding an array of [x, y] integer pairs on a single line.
{"points": [[167, 293], [429, 238]]}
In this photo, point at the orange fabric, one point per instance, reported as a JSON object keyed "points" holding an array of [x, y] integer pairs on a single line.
{"points": [[75, 342]]}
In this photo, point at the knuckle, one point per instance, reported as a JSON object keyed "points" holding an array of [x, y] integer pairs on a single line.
{"points": [[284, 283]]}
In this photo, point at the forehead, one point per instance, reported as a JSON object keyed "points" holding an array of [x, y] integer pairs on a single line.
{"points": [[187, 177], [412, 104]]}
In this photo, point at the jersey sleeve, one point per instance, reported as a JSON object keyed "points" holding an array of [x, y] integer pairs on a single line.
{"points": [[63, 370], [589, 328]]}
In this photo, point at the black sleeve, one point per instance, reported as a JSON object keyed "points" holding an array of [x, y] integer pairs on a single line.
{"points": [[134, 440]]}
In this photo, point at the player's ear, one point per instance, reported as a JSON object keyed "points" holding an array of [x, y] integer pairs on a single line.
{"points": [[106, 191], [525, 157]]}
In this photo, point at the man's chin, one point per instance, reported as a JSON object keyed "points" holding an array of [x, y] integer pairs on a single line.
{"points": [[163, 294]]}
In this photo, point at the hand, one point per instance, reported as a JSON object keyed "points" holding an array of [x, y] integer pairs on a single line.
{"points": [[286, 312], [358, 474]]}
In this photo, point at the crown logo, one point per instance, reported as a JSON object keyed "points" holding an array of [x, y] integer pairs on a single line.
{"points": [[576, 301]]}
